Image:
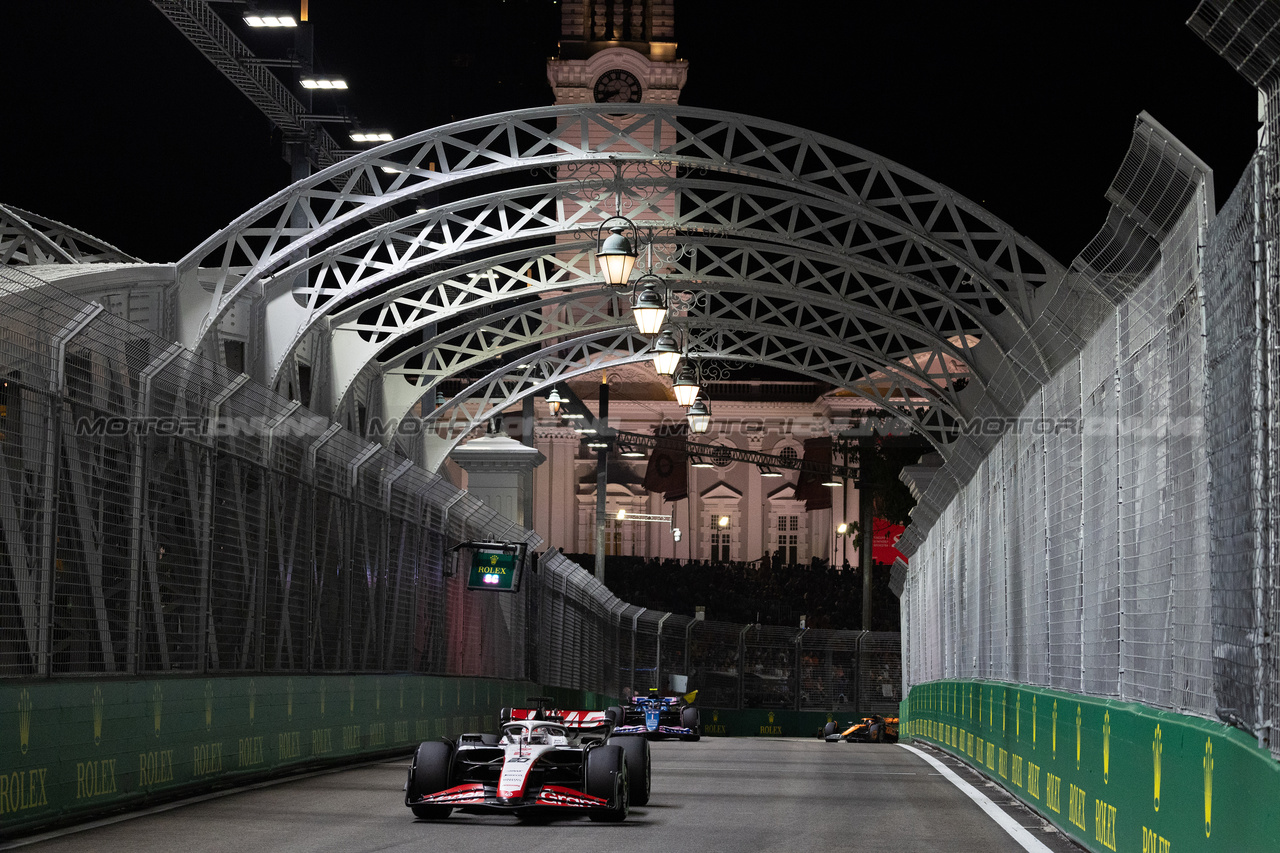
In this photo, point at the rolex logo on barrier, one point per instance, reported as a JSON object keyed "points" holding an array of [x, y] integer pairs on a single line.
{"points": [[1106, 748], [24, 720], [208, 705], [1156, 749], [1077, 737], [770, 718], [1033, 721], [97, 716], [1055, 729], [1208, 786]]}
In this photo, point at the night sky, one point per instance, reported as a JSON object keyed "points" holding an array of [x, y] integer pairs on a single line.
{"points": [[116, 125]]}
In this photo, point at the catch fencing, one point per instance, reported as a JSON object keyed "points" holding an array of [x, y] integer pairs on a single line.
{"points": [[159, 514], [1115, 541]]}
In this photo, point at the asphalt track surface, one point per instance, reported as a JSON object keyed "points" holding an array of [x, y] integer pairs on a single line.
{"points": [[720, 795]]}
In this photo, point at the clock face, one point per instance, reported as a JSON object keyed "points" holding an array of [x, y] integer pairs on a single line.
{"points": [[617, 87]]}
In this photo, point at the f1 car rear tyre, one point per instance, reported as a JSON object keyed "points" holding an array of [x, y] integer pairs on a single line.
{"points": [[636, 750], [616, 714], [691, 719], [829, 729], [428, 774], [606, 777]]}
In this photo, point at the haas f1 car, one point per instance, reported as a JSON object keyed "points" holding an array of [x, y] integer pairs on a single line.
{"points": [[544, 763], [873, 729], [655, 716]]}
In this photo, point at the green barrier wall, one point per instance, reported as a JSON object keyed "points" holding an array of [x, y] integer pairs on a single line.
{"points": [[70, 750], [1114, 775]]}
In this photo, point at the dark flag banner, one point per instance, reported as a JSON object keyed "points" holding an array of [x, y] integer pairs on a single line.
{"points": [[809, 486], [668, 470]]}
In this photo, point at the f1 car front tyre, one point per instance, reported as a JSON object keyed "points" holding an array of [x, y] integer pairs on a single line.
{"points": [[690, 719], [606, 778], [428, 774], [636, 750], [829, 729], [616, 715]]}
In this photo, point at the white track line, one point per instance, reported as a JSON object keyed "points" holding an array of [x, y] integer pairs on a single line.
{"points": [[1016, 830]]}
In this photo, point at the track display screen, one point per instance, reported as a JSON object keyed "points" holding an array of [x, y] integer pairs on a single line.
{"points": [[493, 570]]}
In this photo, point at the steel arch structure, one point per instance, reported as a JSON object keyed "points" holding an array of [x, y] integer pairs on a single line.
{"points": [[813, 255], [28, 239]]}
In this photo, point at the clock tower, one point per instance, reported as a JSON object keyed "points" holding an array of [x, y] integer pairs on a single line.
{"points": [[617, 51]]}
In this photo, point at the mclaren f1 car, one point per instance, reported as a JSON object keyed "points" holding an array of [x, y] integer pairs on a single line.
{"points": [[543, 763], [872, 729]]}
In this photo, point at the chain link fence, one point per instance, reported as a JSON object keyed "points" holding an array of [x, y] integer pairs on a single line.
{"points": [[158, 514], [1118, 540]]}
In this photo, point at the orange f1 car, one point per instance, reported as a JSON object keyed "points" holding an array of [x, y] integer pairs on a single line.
{"points": [[872, 729]]}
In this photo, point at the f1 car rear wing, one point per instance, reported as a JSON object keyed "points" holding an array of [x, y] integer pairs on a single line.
{"points": [[570, 719]]}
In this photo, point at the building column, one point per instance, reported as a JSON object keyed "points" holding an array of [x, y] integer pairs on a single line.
{"points": [[555, 506], [500, 473], [754, 517]]}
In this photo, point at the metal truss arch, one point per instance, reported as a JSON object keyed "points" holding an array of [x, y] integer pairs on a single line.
{"points": [[851, 367], [724, 261], [485, 398], [777, 221], [804, 334], [376, 262], [28, 239], [329, 202]]}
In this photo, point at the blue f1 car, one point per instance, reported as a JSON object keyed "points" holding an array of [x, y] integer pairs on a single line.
{"points": [[655, 716]]}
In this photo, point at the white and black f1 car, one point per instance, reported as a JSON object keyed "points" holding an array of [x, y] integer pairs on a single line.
{"points": [[545, 763], [655, 716]]}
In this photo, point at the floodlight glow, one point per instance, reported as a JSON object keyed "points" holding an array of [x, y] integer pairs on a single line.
{"points": [[318, 82], [254, 19]]}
